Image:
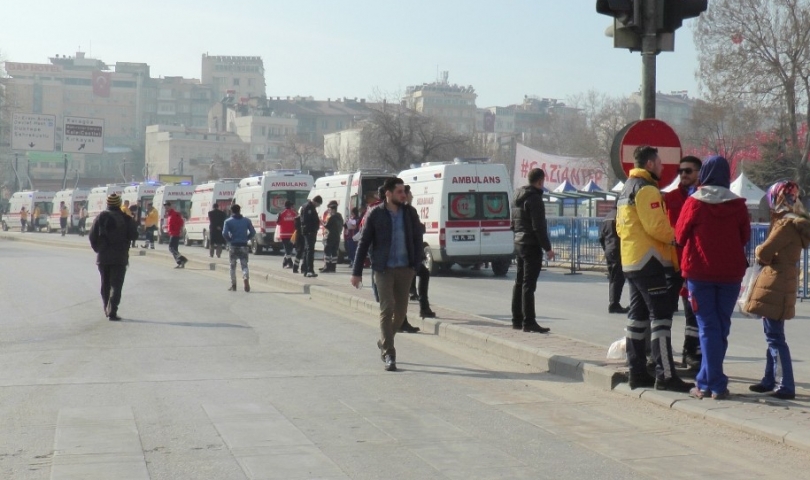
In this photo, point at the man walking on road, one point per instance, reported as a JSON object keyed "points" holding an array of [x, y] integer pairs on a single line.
{"points": [[110, 238], [393, 234], [174, 224], [650, 264], [310, 224], [150, 225], [531, 238], [216, 221], [613, 256], [238, 231], [688, 171], [64, 214]]}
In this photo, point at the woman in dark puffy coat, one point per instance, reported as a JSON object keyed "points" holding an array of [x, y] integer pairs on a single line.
{"points": [[774, 294]]}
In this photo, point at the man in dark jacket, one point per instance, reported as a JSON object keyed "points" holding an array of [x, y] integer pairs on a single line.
{"points": [[393, 233], [613, 256], [216, 220], [531, 239], [310, 223], [110, 237]]}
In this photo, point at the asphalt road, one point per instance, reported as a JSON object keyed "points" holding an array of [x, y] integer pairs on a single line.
{"points": [[200, 383]]}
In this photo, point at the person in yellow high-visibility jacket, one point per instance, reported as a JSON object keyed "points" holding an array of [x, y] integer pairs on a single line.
{"points": [[150, 224], [650, 264]]}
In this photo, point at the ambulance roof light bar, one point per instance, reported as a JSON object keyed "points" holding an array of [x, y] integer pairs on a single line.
{"points": [[459, 160], [287, 172], [434, 164]]}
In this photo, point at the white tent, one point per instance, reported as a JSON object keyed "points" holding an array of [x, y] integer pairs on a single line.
{"points": [[746, 189], [672, 186], [618, 188]]}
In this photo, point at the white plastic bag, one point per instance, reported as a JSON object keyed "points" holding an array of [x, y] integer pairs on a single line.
{"points": [[618, 349], [747, 287]]}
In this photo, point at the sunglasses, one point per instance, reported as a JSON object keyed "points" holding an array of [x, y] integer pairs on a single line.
{"points": [[688, 171]]}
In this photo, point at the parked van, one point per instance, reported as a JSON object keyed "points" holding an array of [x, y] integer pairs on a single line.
{"points": [[262, 198], [31, 200], [219, 192], [97, 201], [180, 196], [349, 190], [75, 199], [465, 206], [140, 194]]}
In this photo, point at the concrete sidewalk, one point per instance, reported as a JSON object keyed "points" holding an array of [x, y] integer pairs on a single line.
{"points": [[781, 421]]}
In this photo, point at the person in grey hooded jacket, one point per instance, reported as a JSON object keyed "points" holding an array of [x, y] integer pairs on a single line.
{"points": [[531, 238], [238, 231]]}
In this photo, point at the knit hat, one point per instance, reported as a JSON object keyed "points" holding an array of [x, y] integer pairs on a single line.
{"points": [[715, 172], [113, 200], [782, 195]]}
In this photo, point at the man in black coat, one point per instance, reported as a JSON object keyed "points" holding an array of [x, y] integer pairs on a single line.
{"points": [[310, 224], [611, 244], [110, 236], [216, 220], [531, 239]]}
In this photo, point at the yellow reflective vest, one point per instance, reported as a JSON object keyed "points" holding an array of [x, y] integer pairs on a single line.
{"points": [[647, 238]]}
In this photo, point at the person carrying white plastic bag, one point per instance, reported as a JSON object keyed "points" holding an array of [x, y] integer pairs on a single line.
{"points": [[750, 279]]}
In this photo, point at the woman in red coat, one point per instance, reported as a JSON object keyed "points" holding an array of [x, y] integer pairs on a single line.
{"points": [[713, 229]]}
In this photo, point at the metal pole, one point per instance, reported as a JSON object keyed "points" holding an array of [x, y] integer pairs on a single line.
{"points": [[16, 175], [649, 50], [64, 177]]}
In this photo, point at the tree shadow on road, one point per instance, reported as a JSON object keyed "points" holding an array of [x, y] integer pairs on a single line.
{"points": [[188, 324]]}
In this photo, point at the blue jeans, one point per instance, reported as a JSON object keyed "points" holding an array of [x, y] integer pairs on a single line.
{"points": [[713, 304], [778, 369], [351, 248]]}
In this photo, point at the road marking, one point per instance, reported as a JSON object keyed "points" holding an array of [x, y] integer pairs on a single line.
{"points": [[269, 446], [98, 443]]}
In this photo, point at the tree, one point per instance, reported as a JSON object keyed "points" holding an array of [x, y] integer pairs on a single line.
{"points": [[758, 52], [238, 166], [299, 152], [396, 137]]}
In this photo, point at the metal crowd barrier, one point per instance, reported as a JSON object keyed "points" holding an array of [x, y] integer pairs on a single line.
{"points": [[575, 241]]}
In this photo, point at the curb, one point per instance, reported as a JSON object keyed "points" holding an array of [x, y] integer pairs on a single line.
{"points": [[780, 431]]}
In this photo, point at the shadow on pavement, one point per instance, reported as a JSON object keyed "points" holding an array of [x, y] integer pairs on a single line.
{"points": [[476, 373], [187, 324]]}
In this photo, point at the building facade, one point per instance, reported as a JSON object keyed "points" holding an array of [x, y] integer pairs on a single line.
{"points": [[452, 103], [243, 75], [174, 149]]}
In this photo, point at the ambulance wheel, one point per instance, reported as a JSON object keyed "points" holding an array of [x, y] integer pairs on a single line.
{"points": [[430, 263], [501, 267], [206, 243], [186, 240], [255, 248]]}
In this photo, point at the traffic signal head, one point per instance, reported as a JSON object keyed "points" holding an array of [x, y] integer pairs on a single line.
{"points": [[626, 12], [676, 11]]}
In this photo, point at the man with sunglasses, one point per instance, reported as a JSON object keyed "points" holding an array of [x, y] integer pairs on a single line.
{"points": [[688, 172]]}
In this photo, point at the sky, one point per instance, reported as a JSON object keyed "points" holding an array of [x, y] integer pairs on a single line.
{"points": [[353, 48]]}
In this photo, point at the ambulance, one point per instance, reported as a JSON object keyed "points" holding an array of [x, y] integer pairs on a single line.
{"points": [[349, 190], [140, 194], [465, 206], [219, 192], [97, 201], [262, 198], [31, 200], [180, 197], [75, 199]]}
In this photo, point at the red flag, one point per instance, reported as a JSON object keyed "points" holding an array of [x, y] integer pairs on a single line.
{"points": [[101, 83]]}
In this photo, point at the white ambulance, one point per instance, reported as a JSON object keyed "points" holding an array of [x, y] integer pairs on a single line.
{"points": [[97, 201], [180, 197], [31, 200], [349, 190], [75, 199], [219, 192], [262, 198], [140, 194], [465, 206]]}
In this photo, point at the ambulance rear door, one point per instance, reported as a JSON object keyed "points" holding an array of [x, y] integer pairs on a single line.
{"points": [[463, 225], [494, 197]]}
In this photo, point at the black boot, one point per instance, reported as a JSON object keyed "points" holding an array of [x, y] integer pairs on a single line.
{"points": [[295, 267], [406, 327]]}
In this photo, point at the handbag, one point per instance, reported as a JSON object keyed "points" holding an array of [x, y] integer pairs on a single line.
{"points": [[747, 288]]}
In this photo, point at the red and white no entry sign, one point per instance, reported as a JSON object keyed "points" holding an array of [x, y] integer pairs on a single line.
{"points": [[654, 133]]}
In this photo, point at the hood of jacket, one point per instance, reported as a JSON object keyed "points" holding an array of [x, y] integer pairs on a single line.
{"points": [[523, 193], [802, 225], [715, 195], [645, 174], [715, 172]]}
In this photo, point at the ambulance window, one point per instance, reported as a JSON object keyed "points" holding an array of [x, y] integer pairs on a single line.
{"points": [[463, 206], [495, 206], [276, 200]]}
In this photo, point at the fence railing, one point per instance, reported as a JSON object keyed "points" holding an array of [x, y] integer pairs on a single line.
{"points": [[575, 241]]}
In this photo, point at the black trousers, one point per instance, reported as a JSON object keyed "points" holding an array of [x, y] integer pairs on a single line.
{"points": [[652, 303], [616, 279], [112, 281], [174, 248], [424, 281], [309, 252], [691, 338], [529, 260]]}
